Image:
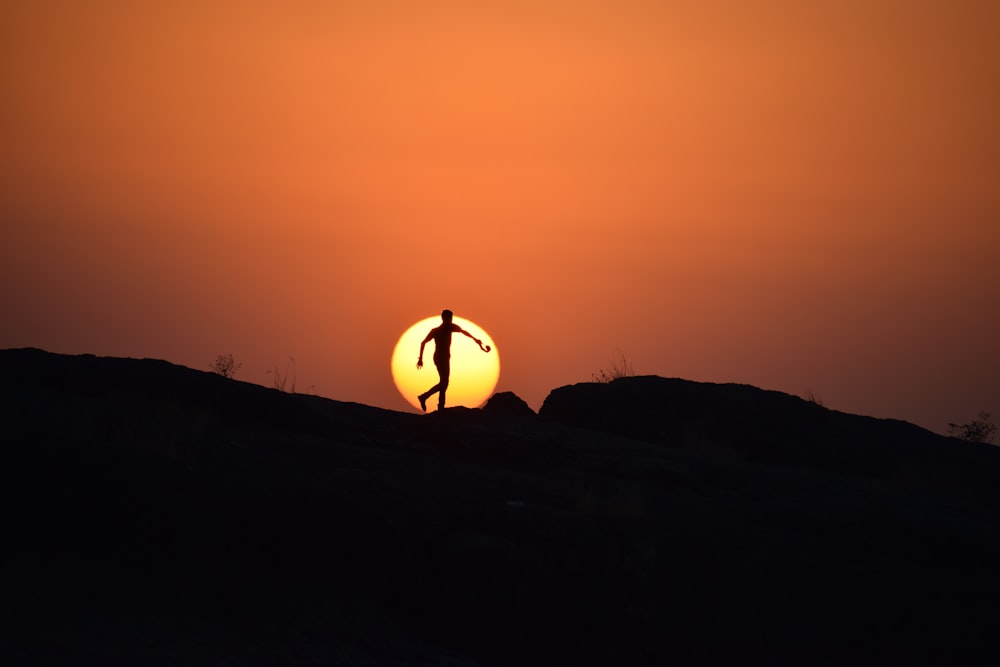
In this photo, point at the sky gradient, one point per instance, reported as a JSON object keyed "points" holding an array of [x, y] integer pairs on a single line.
{"points": [[786, 194]]}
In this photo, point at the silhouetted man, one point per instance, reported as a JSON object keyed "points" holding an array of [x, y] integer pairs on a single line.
{"points": [[442, 356]]}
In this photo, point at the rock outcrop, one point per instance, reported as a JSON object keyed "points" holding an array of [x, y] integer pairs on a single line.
{"points": [[772, 428], [507, 404]]}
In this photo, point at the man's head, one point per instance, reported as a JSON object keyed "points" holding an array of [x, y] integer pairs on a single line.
{"points": [[446, 315]]}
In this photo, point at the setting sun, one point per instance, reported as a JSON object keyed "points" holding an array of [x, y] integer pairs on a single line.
{"points": [[474, 374]]}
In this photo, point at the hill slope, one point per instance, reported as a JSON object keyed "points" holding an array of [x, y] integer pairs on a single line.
{"points": [[159, 515]]}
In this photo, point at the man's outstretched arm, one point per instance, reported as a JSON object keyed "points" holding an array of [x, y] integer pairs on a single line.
{"points": [[478, 342], [420, 359]]}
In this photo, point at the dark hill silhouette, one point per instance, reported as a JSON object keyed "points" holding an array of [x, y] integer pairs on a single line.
{"points": [[773, 428], [158, 515]]}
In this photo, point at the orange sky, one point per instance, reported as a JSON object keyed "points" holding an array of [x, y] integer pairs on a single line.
{"points": [[792, 195]]}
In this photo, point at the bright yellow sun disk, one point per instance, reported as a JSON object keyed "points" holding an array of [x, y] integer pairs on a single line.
{"points": [[474, 374]]}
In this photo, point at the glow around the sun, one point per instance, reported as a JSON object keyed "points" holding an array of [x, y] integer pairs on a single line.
{"points": [[474, 374]]}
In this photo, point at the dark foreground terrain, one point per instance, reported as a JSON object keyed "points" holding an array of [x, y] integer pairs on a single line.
{"points": [[158, 515]]}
